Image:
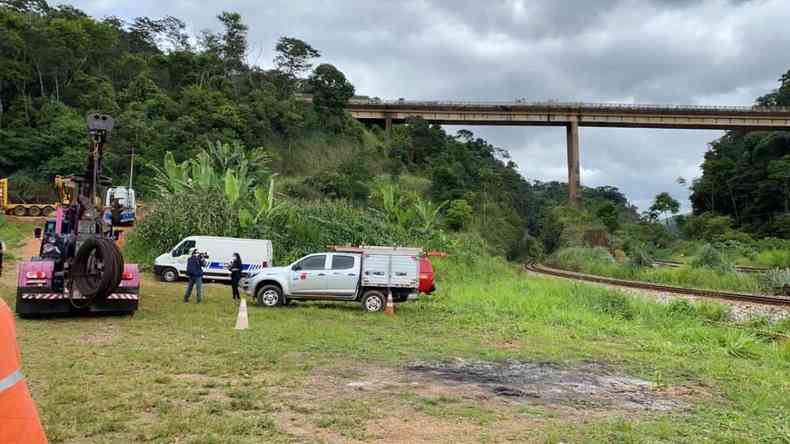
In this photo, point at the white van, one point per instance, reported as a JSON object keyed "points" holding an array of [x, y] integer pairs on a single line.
{"points": [[255, 255]]}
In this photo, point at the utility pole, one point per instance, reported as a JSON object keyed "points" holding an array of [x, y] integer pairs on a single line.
{"points": [[131, 168]]}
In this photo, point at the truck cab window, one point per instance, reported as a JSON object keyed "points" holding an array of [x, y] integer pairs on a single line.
{"points": [[312, 263], [342, 262]]}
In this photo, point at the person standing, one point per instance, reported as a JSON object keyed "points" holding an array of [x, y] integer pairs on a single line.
{"points": [[235, 275], [195, 265], [2, 253]]}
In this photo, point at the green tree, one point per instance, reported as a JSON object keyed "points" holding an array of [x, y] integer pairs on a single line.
{"points": [[294, 56], [779, 170], [331, 92], [458, 214], [608, 214], [234, 42], [664, 204]]}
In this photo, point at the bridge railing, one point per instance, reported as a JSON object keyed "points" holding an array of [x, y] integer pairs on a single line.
{"points": [[569, 105]]}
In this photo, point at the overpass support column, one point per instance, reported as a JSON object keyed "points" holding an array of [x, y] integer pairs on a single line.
{"points": [[388, 126], [572, 133]]}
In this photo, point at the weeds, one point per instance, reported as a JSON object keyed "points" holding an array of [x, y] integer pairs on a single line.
{"points": [[597, 261]]}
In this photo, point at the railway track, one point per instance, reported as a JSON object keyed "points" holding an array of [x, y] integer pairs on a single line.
{"points": [[713, 294], [739, 268]]}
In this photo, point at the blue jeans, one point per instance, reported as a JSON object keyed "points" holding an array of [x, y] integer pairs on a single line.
{"points": [[197, 281]]}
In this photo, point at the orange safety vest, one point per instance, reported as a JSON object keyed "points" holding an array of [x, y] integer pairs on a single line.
{"points": [[19, 423]]}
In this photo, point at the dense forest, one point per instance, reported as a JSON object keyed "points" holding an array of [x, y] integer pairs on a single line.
{"points": [[746, 176]]}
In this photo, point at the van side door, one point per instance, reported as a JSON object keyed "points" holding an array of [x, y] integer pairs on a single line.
{"points": [[309, 275], [343, 275]]}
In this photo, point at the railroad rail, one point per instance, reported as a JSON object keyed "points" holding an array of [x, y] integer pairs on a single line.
{"points": [[713, 294], [738, 268]]}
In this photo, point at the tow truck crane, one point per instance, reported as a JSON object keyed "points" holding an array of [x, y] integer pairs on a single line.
{"points": [[79, 268]]}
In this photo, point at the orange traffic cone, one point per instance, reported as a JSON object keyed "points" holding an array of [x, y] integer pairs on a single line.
{"points": [[390, 308], [19, 421]]}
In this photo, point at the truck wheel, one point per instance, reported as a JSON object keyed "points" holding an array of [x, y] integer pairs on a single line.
{"points": [[20, 211], [373, 301], [169, 275], [34, 211], [48, 211], [269, 296]]}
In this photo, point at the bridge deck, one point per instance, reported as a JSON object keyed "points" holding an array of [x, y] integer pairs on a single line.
{"points": [[583, 114]]}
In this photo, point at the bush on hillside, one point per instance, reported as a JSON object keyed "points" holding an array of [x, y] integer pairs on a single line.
{"points": [[578, 258], [710, 257], [458, 214], [640, 257]]}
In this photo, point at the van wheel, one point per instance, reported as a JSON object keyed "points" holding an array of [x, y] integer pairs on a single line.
{"points": [[269, 296], [373, 301], [169, 275]]}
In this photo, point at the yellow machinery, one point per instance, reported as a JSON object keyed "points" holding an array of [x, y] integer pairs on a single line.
{"points": [[64, 186]]}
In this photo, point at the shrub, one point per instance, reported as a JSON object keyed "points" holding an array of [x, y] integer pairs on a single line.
{"points": [[612, 303], [713, 311], [578, 258], [709, 257], [777, 281], [458, 214], [739, 344], [640, 257], [681, 307], [775, 258], [707, 226]]}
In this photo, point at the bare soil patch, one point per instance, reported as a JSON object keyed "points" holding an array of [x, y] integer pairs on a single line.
{"points": [[592, 385], [460, 401]]}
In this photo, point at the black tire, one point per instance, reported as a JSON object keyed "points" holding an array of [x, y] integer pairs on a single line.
{"points": [[373, 301], [169, 275], [19, 211], [34, 211], [269, 296], [90, 280], [48, 211]]}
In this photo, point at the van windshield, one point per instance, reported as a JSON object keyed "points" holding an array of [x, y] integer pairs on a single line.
{"points": [[183, 248]]}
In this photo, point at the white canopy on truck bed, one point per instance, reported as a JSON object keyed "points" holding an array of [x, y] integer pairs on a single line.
{"points": [[387, 266]]}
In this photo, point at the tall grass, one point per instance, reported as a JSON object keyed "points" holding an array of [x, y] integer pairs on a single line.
{"points": [[599, 262]]}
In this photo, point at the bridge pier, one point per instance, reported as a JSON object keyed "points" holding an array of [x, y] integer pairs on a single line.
{"points": [[572, 135], [388, 126]]}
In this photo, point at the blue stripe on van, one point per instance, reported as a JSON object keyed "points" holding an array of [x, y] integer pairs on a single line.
{"points": [[244, 267]]}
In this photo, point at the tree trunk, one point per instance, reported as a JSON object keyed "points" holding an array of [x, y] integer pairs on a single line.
{"points": [[57, 87], [41, 82]]}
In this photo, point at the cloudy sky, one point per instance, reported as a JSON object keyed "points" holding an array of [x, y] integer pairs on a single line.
{"points": [[710, 52]]}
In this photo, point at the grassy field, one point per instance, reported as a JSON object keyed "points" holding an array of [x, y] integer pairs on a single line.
{"points": [[318, 372]]}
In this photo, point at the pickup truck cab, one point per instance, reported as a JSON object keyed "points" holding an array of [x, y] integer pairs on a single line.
{"points": [[363, 274]]}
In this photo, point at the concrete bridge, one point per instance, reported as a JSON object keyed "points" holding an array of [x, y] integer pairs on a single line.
{"points": [[572, 116]]}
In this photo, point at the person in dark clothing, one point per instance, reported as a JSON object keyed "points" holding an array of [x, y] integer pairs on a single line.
{"points": [[195, 265], [2, 252], [235, 275]]}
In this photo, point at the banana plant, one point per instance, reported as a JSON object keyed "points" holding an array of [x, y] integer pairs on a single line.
{"points": [[264, 206], [427, 213]]}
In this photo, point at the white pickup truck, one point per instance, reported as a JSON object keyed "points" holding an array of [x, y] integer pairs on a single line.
{"points": [[364, 274]]}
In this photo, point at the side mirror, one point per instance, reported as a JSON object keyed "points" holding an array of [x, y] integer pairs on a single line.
{"points": [[37, 233], [296, 267], [174, 253]]}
